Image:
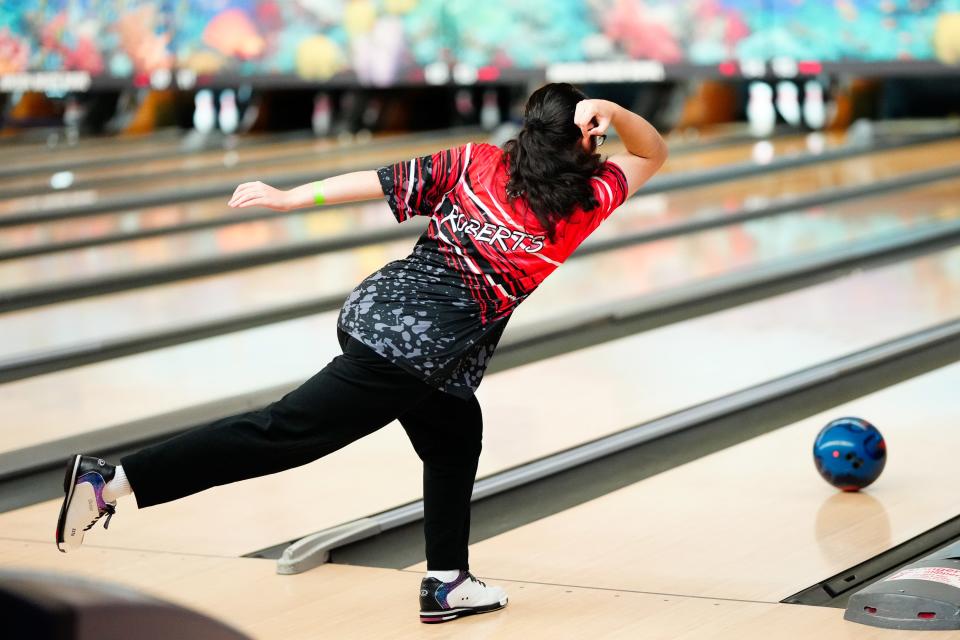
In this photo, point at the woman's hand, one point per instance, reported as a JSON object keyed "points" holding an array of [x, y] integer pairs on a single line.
{"points": [[258, 194], [594, 116]]}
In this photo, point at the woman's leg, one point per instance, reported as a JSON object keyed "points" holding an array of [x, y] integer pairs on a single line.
{"points": [[355, 394], [446, 432]]}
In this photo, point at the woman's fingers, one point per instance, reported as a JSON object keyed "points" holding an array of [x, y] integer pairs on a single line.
{"points": [[244, 198], [244, 192], [593, 117], [583, 115], [248, 201], [239, 191], [586, 122], [602, 123], [250, 194], [590, 118]]}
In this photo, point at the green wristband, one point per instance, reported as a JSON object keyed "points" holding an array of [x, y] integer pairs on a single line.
{"points": [[318, 192]]}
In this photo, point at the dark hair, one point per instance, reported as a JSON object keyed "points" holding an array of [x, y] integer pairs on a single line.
{"points": [[546, 164]]}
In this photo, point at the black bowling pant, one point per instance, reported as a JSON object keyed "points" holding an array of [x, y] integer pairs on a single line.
{"points": [[357, 393]]}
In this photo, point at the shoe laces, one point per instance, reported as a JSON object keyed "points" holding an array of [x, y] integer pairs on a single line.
{"points": [[477, 580], [109, 510]]}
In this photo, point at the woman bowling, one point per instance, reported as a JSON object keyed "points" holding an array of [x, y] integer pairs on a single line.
{"points": [[416, 335]]}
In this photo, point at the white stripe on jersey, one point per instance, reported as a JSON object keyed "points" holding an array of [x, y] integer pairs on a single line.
{"points": [[607, 189], [499, 208], [545, 258], [466, 162], [480, 204], [411, 176], [463, 172]]}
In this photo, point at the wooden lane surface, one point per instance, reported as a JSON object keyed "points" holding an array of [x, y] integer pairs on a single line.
{"points": [[657, 210], [335, 601], [365, 157], [654, 266], [159, 216], [634, 379], [580, 286], [89, 147], [754, 521], [226, 157], [358, 156], [140, 149], [645, 211], [168, 214], [221, 158]]}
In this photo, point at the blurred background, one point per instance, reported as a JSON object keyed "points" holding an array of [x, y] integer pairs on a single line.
{"points": [[387, 65]]}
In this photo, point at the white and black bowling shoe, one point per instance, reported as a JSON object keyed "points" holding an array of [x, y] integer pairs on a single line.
{"points": [[465, 596], [83, 503]]}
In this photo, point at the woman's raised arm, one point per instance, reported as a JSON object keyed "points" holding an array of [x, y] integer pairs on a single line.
{"points": [[646, 150]]}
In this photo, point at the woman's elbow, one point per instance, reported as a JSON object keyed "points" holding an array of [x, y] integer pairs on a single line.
{"points": [[661, 154]]}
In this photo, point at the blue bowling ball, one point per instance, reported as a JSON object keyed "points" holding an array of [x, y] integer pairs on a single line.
{"points": [[849, 453]]}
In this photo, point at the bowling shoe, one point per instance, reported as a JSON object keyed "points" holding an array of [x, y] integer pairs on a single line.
{"points": [[445, 601], [83, 503]]}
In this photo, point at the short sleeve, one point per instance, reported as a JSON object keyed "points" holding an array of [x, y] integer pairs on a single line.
{"points": [[415, 187], [610, 190]]}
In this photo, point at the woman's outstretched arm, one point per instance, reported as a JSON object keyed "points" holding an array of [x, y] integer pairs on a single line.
{"points": [[347, 187]]}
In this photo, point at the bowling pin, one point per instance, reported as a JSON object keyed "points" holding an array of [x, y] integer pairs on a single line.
{"points": [[204, 116], [814, 111], [250, 114], [760, 112], [463, 104], [229, 116], [322, 114], [861, 132], [490, 111], [371, 113], [72, 115], [788, 102]]}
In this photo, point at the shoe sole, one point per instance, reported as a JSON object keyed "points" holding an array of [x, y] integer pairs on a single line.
{"points": [[436, 617], [69, 487]]}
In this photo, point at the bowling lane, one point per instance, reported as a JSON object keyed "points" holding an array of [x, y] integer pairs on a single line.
{"points": [[151, 217], [118, 149], [658, 210], [656, 266], [207, 161], [357, 156], [325, 601], [237, 154], [767, 526], [90, 145], [707, 201], [139, 254], [659, 266], [635, 379], [711, 157]]}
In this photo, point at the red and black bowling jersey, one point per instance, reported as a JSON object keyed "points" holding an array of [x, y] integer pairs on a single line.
{"points": [[439, 313]]}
